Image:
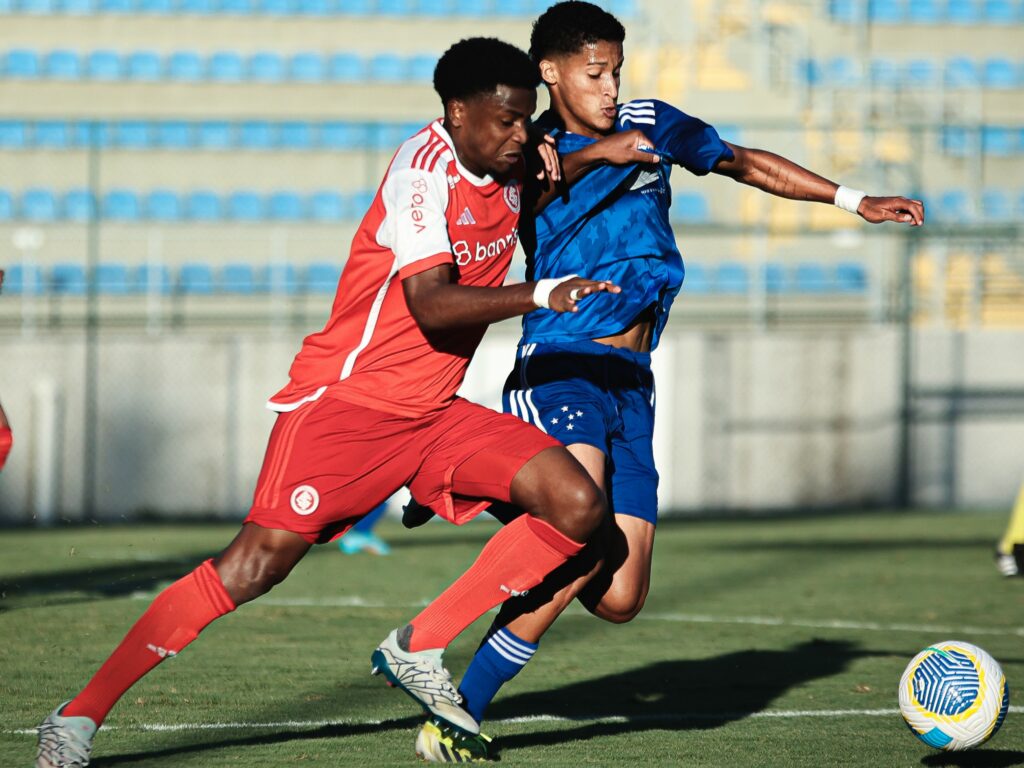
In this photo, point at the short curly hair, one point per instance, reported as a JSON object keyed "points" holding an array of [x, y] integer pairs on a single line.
{"points": [[564, 28], [478, 65]]}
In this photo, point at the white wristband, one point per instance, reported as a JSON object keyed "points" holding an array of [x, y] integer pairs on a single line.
{"points": [[849, 199], [542, 290]]}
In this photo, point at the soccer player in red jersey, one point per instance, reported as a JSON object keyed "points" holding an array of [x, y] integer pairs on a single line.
{"points": [[371, 406], [6, 437]]}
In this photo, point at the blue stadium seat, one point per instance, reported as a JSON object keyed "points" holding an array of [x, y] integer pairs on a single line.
{"points": [[162, 205], [395, 7], [624, 9], [346, 68], [843, 72], [6, 205], [103, 65], [996, 205], [92, 133], [285, 206], [38, 205], [924, 11], [116, 6], [173, 134], [214, 134], [52, 134], [153, 279], [732, 278], [885, 11], [690, 208], [280, 279], [315, 7], [421, 67], [63, 65], [334, 135], [257, 134], [112, 279], [295, 135], [145, 66], [322, 278], [307, 67], [238, 7], [359, 203], [962, 72], [1000, 12], [326, 206], [195, 279], [811, 72], [185, 66], [953, 206], [132, 134], [696, 280], [963, 11], [244, 205], [13, 134], [79, 205], [21, 64], [957, 141], [156, 6], [810, 277], [998, 141], [1000, 73], [68, 280], [385, 137], [197, 7], [238, 279], [23, 280], [79, 7], [203, 205], [388, 68], [355, 7], [436, 8], [920, 73], [885, 73], [266, 67], [277, 7], [850, 277], [845, 11], [774, 276], [225, 67], [121, 205], [33, 7], [474, 8]]}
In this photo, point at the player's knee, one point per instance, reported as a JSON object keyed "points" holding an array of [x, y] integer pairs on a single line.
{"points": [[620, 606], [582, 508]]}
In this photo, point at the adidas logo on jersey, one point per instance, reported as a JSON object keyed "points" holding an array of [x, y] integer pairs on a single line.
{"points": [[466, 218]]}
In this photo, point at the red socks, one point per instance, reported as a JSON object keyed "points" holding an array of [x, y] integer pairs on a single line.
{"points": [[173, 620], [6, 441], [516, 559]]}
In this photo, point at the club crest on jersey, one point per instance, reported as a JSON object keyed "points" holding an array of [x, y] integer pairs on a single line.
{"points": [[305, 500], [512, 196]]}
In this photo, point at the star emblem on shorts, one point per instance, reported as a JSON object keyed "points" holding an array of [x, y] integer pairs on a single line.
{"points": [[569, 427], [579, 413], [565, 409], [554, 421], [571, 417]]}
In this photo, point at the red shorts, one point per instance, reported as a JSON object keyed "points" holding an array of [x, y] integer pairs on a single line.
{"points": [[330, 462]]}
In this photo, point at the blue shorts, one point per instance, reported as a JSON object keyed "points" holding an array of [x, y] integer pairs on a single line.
{"points": [[586, 392]]}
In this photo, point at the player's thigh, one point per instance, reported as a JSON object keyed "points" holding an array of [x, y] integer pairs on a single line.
{"points": [[618, 591], [593, 460]]}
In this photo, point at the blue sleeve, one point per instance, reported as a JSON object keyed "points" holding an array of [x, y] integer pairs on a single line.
{"points": [[688, 141]]}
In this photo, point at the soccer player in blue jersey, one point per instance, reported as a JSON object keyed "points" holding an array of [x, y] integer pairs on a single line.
{"points": [[585, 378]]}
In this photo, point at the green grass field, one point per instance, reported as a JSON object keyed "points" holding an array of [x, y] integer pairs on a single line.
{"points": [[763, 643]]}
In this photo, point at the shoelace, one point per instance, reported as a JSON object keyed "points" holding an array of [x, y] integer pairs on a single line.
{"points": [[67, 749], [444, 677]]}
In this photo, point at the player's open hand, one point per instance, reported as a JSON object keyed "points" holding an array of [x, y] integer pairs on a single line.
{"points": [[899, 209], [566, 296], [626, 147]]}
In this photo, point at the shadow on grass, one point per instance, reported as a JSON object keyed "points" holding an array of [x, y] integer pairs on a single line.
{"points": [[982, 758]]}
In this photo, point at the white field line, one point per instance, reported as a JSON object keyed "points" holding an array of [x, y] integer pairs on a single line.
{"points": [[684, 618], [667, 717]]}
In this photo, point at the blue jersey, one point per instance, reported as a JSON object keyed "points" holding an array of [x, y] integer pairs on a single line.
{"points": [[613, 224]]}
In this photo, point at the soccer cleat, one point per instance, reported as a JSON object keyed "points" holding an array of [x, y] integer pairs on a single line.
{"points": [[357, 541], [1011, 563], [421, 675], [65, 742], [415, 514], [441, 742]]}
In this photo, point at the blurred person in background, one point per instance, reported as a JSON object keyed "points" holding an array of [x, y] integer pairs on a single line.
{"points": [[362, 538], [1010, 549], [6, 437]]}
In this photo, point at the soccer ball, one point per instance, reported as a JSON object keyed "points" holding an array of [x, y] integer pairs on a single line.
{"points": [[953, 695]]}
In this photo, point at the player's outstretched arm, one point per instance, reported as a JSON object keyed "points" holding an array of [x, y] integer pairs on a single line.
{"points": [[784, 178], [437, 303]]}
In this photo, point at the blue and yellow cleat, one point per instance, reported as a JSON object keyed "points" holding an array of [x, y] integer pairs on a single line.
{"points": [[357, 541], [442, 742]]}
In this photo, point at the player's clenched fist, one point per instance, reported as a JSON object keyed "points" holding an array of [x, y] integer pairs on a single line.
{"points": [[900, 209], [566, 295], [625, 147]]}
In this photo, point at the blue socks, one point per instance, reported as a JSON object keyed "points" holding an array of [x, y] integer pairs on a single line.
{"points": [[496, 662]]}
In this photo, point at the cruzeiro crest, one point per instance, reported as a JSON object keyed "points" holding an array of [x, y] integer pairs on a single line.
{"points": [[512, 196]]}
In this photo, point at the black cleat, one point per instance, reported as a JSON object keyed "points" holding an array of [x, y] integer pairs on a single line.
{"points": [[415, 514]]}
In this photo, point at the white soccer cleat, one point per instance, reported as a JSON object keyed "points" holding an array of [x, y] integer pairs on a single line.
{"points": [[422, 676], [65, 742]]}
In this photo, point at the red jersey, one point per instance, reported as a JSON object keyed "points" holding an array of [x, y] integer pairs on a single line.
{"points": [[429, 210]]}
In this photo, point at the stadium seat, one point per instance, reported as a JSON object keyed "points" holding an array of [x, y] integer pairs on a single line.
{"points": [[214, 134], [850, 277], [79, 7], [280, 279], [811, 72], [237, 7], [845, 11], [436, 8], [112, 279], [38, 205], [696, 280], [359, 203], [962, 12], [195, 279], [173, 134], [421, 67], [225, 67], [295, 135], [23, 280], [6, 205], [92, 133], [103, 65], [884, 73], [52, 134], [924, 11], [998, 141], [624, 9], [690, 208], [885, 11], [306, 67], [185, 66], [388, 68], [115, 6], [63, 65], [13, 134], [285, 206], [153, 279], [34, 7], [145, 66], [732, 278], [132, 134], [67, 280], [244, 205], [953, 206], [79, 205], [257, 134], [773, 275], [266, 67], [961, 72], [162, 205], [156, 6], [809, 277], [238, 279], [843, 72], [326, 206], [322, 278], [920, 73], [355, 7], [197, 7], [315, 7], [121, 205], [1001, 74], [395, 7], [385, 137], [21, 64], [1000, 12], [337, 135], [995, 205], [957, 141], [203, 205], [346, 68]]}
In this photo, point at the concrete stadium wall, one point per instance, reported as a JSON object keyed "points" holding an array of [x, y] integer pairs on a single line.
{"points": [[748, 420]]}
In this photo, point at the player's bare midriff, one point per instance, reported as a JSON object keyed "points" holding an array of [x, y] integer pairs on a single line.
{"points": [[637, 335]]}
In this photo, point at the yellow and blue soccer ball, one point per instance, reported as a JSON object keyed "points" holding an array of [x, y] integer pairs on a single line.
{"points": [[953, 695]]}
